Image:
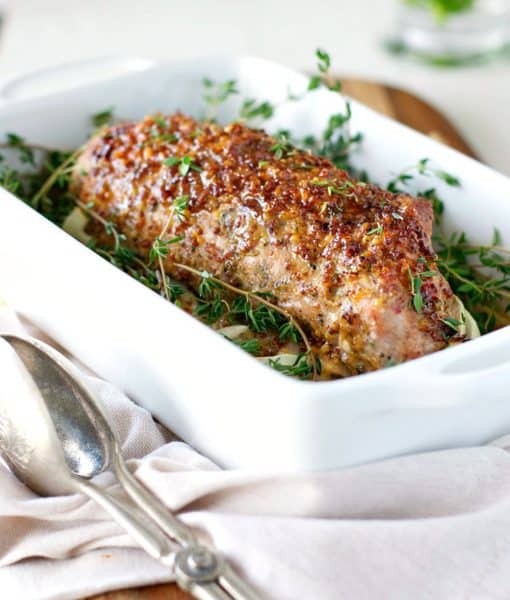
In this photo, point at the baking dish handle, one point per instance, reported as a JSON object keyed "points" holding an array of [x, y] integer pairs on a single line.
{"points": [[69, 75], [473, 367]]}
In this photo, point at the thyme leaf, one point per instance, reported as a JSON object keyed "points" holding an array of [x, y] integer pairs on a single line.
{"points": [[251, 110], [160, 248], [323, 77], [185, 164], [103, 117], [216, 93]]}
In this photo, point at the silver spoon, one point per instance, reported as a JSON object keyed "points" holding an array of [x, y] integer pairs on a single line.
{"points": [[55, 438]]}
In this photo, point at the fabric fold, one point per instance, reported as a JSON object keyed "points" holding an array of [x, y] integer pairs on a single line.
{"points": [[431, 526]]}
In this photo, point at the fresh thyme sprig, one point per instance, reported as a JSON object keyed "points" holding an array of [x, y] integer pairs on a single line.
{"points": [[421, 168], [212, 305], [283, 147], [60, 176], [483, 294], [159, 132], [180, 206], [336, 142], [377, 230], [160, 122], [416, 280], [251, 346], [483, 286], [302, 367], [127, 260], [103, 117], [10, 180], [26, 150], [260, 299], [323, 77], [250, 109], [159, 252], [345, 188], [26, 183], [119, 255], [262, 318], [216, 93]]}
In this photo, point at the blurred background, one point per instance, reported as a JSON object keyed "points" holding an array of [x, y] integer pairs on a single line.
{"points": [[452, 53]]}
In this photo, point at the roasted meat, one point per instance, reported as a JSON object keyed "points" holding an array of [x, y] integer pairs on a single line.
{"points": [[351, 262]]}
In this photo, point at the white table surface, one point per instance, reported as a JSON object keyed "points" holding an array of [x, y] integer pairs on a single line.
{"points": [[40, 33]]}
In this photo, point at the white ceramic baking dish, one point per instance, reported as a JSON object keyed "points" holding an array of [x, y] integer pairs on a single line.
{"points": [[221, 400]]}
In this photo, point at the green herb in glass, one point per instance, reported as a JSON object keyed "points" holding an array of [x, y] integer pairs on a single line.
{"points": [[443, 9]]}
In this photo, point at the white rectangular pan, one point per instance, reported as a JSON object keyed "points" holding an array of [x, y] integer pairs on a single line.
{"points": [[212, 394]]}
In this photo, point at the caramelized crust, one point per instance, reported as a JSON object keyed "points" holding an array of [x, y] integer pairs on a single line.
{"points": [[336, 253]]}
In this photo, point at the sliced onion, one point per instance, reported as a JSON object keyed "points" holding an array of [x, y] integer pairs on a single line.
{"points": [[286, 360], [233, 331], [468, 327], [75, 223]]}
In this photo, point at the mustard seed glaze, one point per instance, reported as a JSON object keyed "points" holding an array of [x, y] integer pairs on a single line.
{"points": [[334, 252]]}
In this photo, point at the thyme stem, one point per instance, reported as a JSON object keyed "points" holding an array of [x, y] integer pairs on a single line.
{"points": [[247, 294], [470, 282], [160, 258], [38, 147], [50, 182], [261, 300]]}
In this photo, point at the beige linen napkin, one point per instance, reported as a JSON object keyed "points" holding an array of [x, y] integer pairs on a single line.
{"points": [[432, 526]]}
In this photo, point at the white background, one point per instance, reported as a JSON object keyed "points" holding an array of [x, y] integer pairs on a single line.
{"points": [[44, 32]]}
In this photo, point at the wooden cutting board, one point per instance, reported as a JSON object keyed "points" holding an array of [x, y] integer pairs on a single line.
{"points": [[408, 109], [403, 107]]}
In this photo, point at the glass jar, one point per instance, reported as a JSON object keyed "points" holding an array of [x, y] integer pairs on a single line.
{"points": [[479, 31]]}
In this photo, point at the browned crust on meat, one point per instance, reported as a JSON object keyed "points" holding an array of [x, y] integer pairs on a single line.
{"points": [[336, 255]]}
